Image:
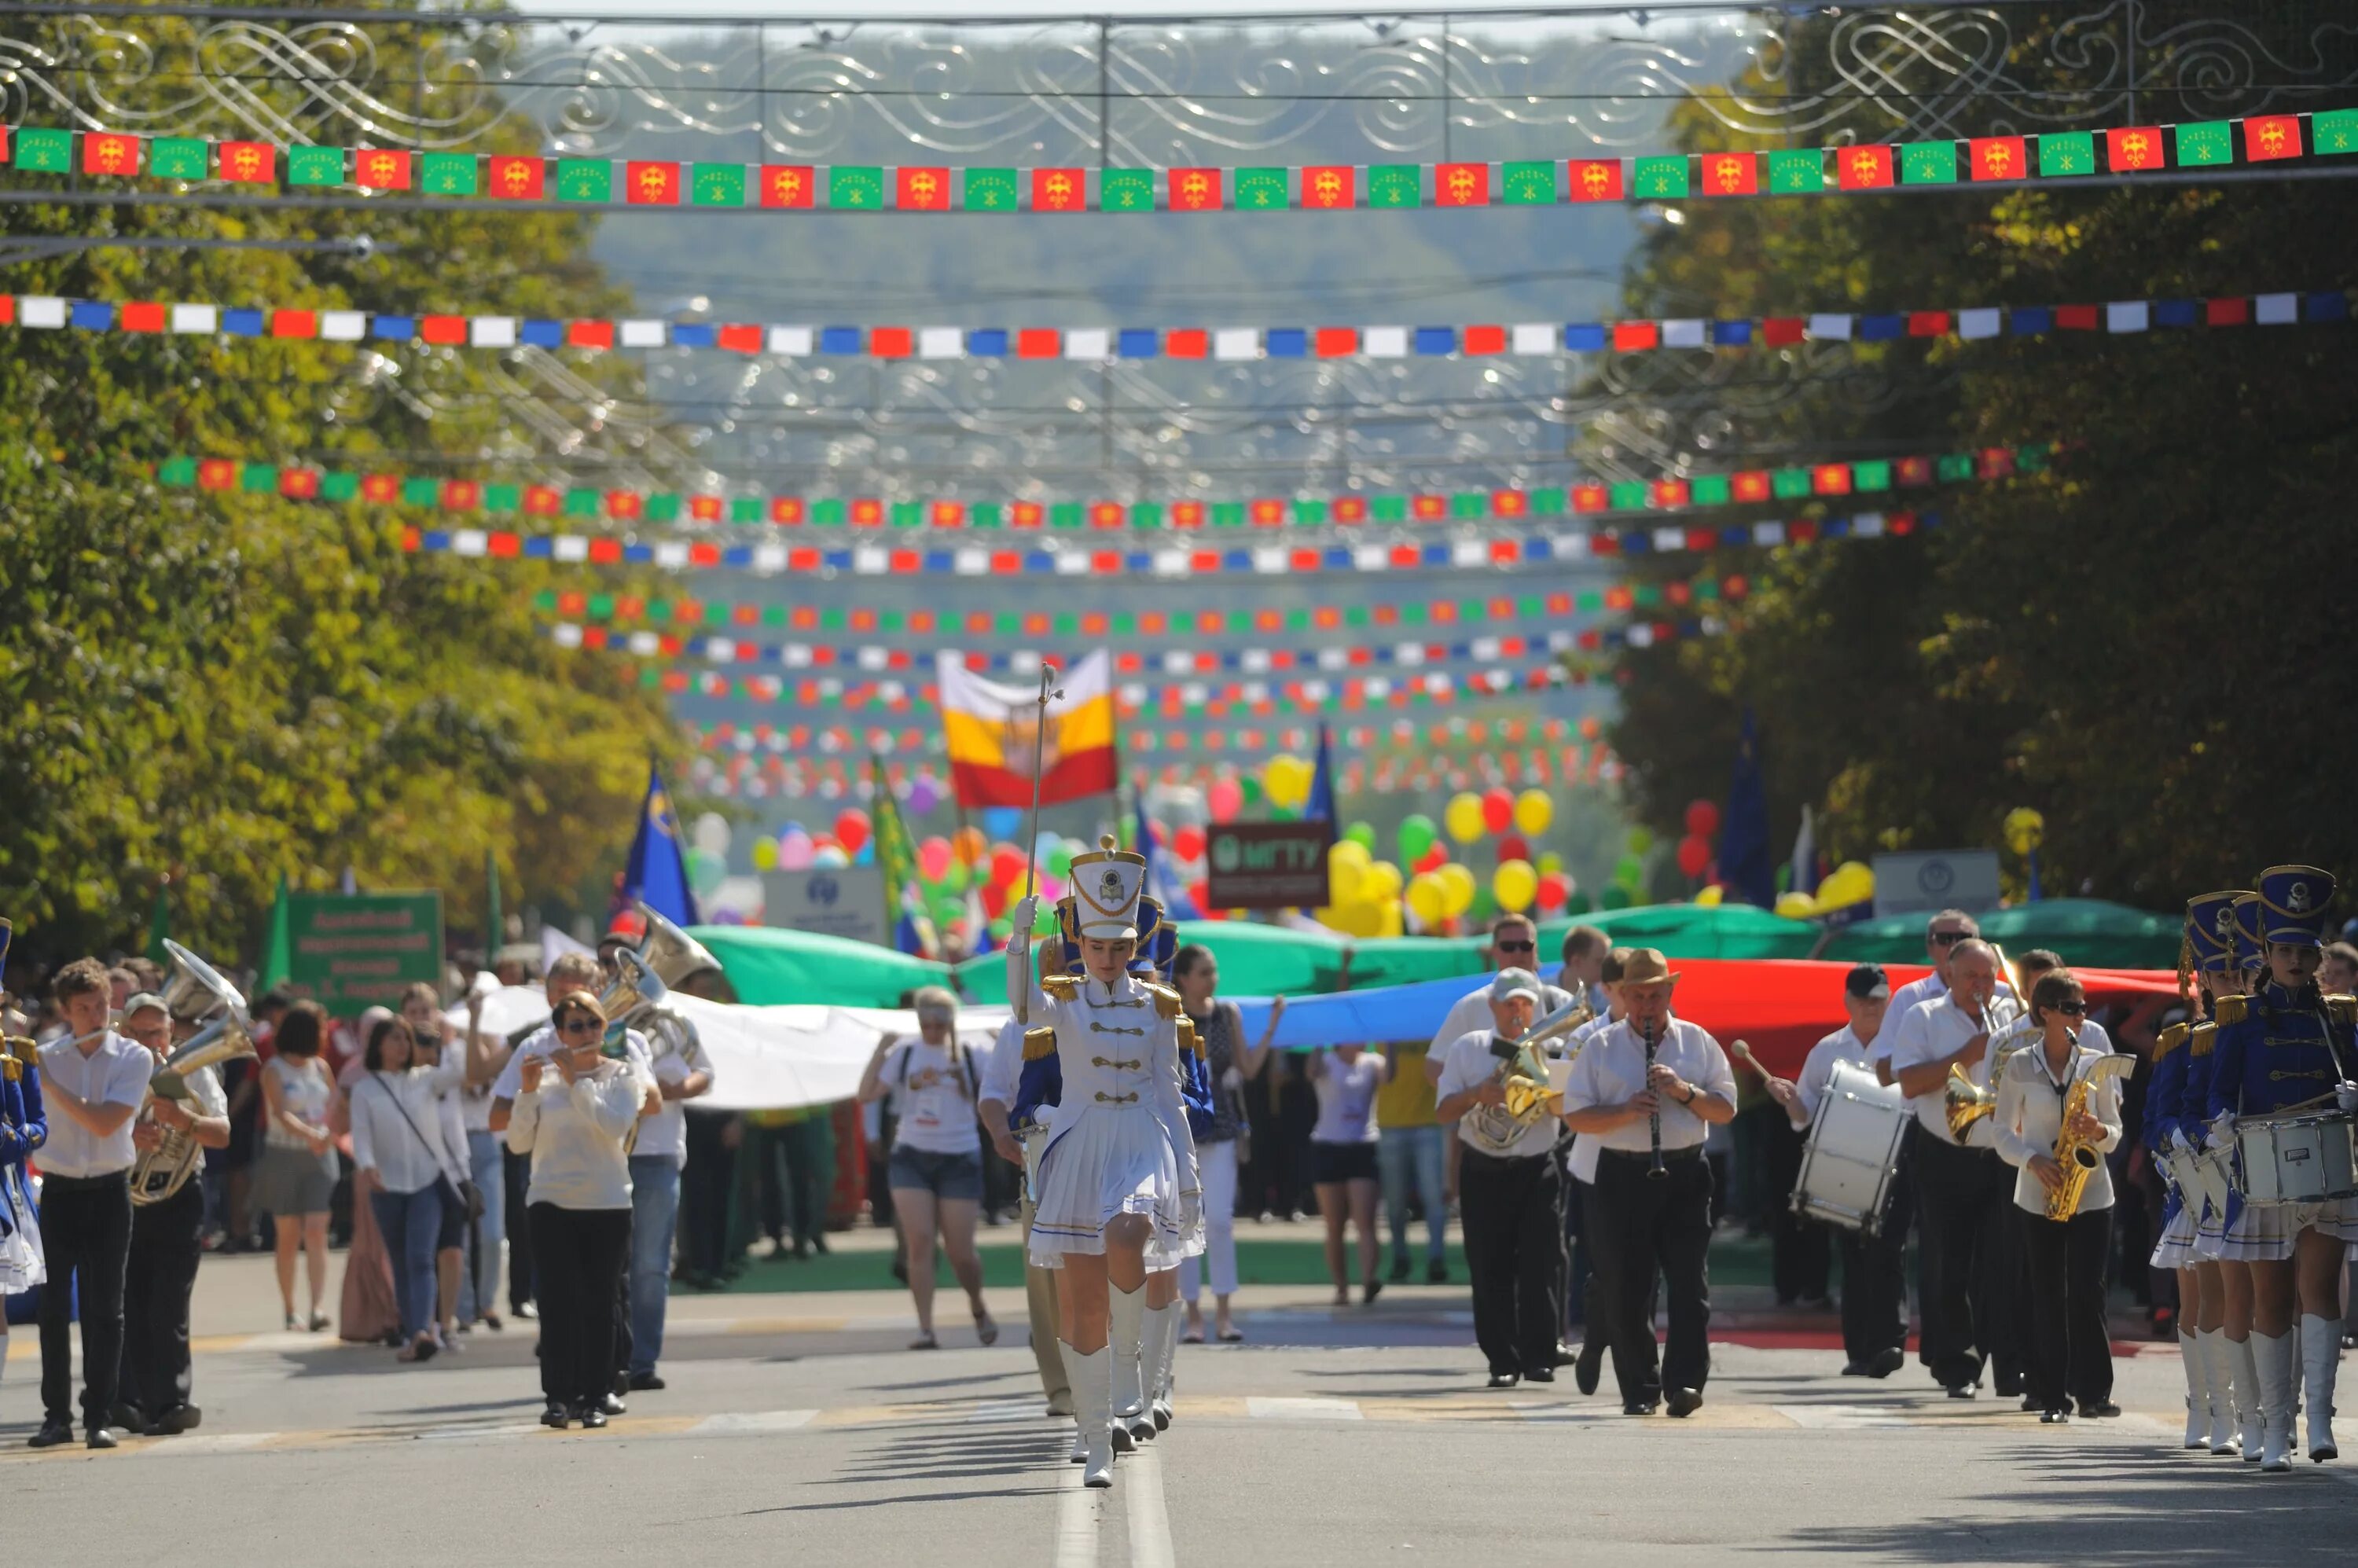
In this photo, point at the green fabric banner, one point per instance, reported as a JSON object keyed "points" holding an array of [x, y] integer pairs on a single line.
{"points": [[772, 967], [2090, 932]]}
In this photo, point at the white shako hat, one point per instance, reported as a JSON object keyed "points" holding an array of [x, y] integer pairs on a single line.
{"points": [[1106, 885]]}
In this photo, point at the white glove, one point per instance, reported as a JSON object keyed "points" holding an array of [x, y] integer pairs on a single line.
{"points": [[2221, 1131], [2345, 1094], [1044, 1116], [1024, 915]]}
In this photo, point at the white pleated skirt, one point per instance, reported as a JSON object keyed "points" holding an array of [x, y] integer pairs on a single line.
{"points": [[1109, 1161], [2175, 1247], [23, 1263], [2263, 1233]]}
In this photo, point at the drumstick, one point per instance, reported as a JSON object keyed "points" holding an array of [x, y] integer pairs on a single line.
{"points": [[1743, 1054]]}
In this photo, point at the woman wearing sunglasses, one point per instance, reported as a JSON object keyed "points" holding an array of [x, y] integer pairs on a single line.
{"points": [[2070, 1348], [573, 1112]]}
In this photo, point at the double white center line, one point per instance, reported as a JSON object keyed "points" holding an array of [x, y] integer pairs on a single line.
{"points": [[1081, 1513]]}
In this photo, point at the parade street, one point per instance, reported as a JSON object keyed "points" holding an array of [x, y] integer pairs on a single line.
{"points": [[796, 1428]]}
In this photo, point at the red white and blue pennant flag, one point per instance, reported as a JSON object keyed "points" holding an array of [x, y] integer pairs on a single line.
{"points": [[1220, 345], [1172, 662]]}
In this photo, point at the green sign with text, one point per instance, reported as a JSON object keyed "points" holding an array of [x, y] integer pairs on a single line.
{"points": [[351, 952]]}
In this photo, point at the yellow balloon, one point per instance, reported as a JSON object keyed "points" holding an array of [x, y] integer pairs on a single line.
{"points": [[766, 854], [1515, 884], [1457, 887], [1853, 883], [1353, 919], [1287, 779], [1350, 852], [1462, 816], [1534, 809], [1392, 924], [1427, 898], [1796, 905], [1381, 884], [1709, 897], [1346, 883]]}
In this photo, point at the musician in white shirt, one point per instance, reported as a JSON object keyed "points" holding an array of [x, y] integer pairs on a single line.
{"points": [[2071, 1347], [160, 1277], [1875, 1287], [1942, 935], [1644, 1093], [1966, 1262]]}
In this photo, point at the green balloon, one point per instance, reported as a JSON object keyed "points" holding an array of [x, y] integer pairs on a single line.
{"points": [[1549, 860], [1002, 928], [1416, 834], [1485, 907], [1060, 861], [1363, 834], [1285, 812], [1641, 840], [1580, 903], [1629, 871], [1250, 788], [954, 879], [1616, 897]]}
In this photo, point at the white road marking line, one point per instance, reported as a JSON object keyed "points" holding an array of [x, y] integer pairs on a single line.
{"points": [[750, 1423], [1564, 1415], [1007, 1410], [1842, 1418], [1079, 1515], [1139, 1477], [219, 1442], [461, 1433], [1302, 1409]]}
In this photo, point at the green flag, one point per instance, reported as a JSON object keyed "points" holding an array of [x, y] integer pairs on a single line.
{"points": [[277, 947], [2065, 153], [897, 859], [1126, 190], [1395, 185], [159, 925]]}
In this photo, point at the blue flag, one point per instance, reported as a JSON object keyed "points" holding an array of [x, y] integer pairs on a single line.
{"points": [[1161, 884], [1320, 807], [657, 872], [1744, 856]]}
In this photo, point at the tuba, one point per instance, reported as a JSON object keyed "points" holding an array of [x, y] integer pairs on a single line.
{"points": [[673, 954], [636, 988], [1523, 1075], [193, 993], [2076, 1155]]}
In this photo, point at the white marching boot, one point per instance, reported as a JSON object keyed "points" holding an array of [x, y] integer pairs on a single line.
{"points": [[1162, 1345], [2273, 1354], [2251, 1428], [2197, 1390], [1128, 1313], [2218, 1367], [2320, 1358], [1092, 1379]]}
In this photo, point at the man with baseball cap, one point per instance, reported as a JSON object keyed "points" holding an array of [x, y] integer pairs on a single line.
{"points": [[1874, 1285], [1510, 1191], [1643, 1095]]}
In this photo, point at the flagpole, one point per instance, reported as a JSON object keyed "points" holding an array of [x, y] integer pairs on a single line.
{"points": [[1032, 843]]}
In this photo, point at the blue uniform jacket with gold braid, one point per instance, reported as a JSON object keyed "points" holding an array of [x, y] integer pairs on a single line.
{"points": [[2164, 1087], [24, 1119], [2194, 1094], [2273, 1050]]}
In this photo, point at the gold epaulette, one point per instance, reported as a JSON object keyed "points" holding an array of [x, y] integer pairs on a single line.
{"points": [[2342, 1010], [1064, 988], [1039, 1042], [2230, 1009], [2201, 1037], [10, 1068], [2171, 1039], [1190, 1038], [1166, 1001]]}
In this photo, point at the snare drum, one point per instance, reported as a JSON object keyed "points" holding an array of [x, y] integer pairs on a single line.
{"points": [[1853, 1155], [2309, 1157]]}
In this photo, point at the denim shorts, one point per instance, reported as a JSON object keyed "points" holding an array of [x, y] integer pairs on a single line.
{"points": [[1331, 1163], [944, 1175]]}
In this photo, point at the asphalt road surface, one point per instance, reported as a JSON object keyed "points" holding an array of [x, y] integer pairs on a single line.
{"points": [[796, 1428]]}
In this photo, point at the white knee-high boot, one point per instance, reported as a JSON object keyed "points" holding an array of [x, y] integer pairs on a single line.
{"points": [[2218, 1380], [2197, 1390], [2321, 1359], [1129, 1314], [1092, 1379], [2272, 1351], [1162, 1345], [2251, 1429]]}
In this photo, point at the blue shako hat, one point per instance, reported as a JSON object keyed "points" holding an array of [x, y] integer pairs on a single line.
{"points": [[2294, 901]]}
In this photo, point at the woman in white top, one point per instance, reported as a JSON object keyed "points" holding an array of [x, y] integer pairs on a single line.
{"points": [[445, 1065], [936, 1165], [2071, 1347], [573, 1112], [295, 1178], [1117, 1191], [404, 1160], [1343, 1157]]}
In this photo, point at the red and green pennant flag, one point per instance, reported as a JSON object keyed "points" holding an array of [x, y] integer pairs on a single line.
{"points": [[1927, 163], [2267, 137], [379, 168], [1528, 182], [1329, 185], [249, 163], [1395, 185], [2134, 149], [110, 153], [1264, 189], [180, 158], [2206, 144], [1660, 177], [789, 185], [1121, 191], [1864, 168], [922, 190], [43, 151], [1999, 157], [855, 188], [652, 182], [1194, 190], [1731, 174], [447, 174], [1797, 173], [2335, 131], [1461, 185], [716, 185], [314, 166], [585, 180], [995, 191], [1596, 179], [518, 178], [2065, 154]]}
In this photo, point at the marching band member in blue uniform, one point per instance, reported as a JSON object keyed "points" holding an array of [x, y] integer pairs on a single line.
{"points": [[2232, 972], [2288, 1048], [24, 1128], [2172, 1126], [1116, 1192]]}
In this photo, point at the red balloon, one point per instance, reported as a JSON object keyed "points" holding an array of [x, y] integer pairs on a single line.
{"points": [[1432, 860], [1703, 820], [851, 830], [1554, 890], [1497, 810], [1006, 863], [1695, 855], [994, 900], [1201, 893], [1187, 843], [1512, 847]]}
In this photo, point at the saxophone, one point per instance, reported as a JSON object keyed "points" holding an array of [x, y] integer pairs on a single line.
{"points": [[2078, 1156]]}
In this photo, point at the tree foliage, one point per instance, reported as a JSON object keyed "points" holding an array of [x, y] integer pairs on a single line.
{"points": [[2145, 641], [224, 688]]}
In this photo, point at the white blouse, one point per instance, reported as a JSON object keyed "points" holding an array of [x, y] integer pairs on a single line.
{"points": [[575, 1135], [398, 1131], [2030, 1118]]}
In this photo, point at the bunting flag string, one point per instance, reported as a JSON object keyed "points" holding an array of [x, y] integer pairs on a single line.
{"points": [[728, 735], [1595, 498], [1101, 345], [1491, 553], [2264, 143], [684, 614]]}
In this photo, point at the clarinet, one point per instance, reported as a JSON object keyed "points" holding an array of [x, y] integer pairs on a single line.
{"points": [[1656, 1171]]}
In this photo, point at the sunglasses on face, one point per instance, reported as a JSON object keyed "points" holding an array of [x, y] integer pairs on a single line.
{"points": [[1516, 946], [1949, 938], [2076, 1008], [578, 1024]]}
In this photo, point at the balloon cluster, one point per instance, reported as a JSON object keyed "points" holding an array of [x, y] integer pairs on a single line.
{"points": [[1282, 785], [1442, 890], [1849, 885]]}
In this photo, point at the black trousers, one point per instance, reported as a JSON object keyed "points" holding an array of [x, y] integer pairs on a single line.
{"points": [[1874, 1278], [1968, 1263], [579, 1258], [704, 1188], [1800, 1252], [158, 1280], [1512, 1212], [1636, 1226], [2070, 1345], [86, 1235], [516, 1170]]}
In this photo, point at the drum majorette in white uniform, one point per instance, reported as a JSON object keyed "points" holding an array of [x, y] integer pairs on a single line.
{"points": [[2286, 1051], [1116, 1194]]}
